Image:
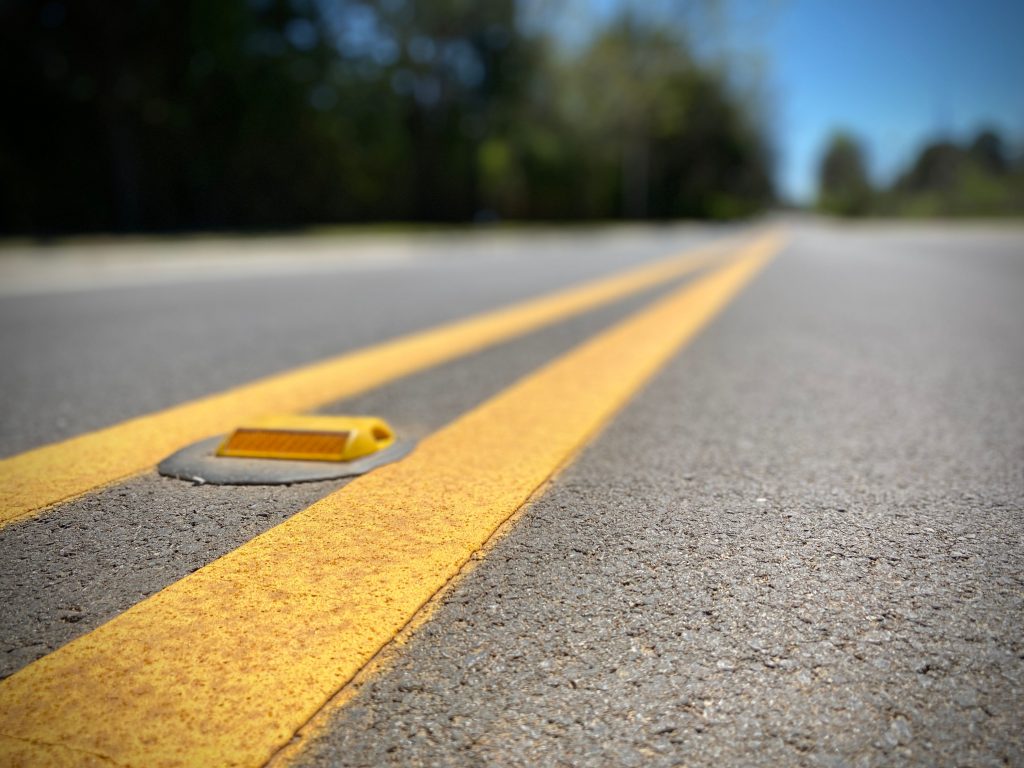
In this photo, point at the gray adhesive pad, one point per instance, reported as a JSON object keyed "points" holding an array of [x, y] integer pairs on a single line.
{"points": [[198, 463]]}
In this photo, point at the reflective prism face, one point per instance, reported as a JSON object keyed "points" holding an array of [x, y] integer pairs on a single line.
{"points": [[285, 444], [308, 438]]}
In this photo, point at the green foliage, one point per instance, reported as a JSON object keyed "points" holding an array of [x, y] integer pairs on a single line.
{"points": [[946, 179], [277, 113], [843, 184]]}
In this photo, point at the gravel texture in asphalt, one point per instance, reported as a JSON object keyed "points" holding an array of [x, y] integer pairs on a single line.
{"points": [[801, 545], [83, 562]]}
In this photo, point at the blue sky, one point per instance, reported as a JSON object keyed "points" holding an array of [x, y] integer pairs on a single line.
{"points": [[895, 73]]}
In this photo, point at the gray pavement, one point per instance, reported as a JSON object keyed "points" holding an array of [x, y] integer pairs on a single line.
{"points": [[800, 545], [82, 563], [120, 335], [813, 557]]}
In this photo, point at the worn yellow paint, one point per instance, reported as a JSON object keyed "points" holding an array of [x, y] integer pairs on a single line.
{"points": [[223, 667], [382, 661], [53, 473]]}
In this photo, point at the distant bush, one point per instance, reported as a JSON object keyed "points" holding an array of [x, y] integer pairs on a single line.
{"points": [[843, 179], [975, 178]]}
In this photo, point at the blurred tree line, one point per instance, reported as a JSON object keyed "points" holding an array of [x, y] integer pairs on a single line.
{"points": [[978, 177], [177, 115]]}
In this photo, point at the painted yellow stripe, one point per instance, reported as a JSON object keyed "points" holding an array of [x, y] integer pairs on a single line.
{"points": [[224, 666], [38, 478]]}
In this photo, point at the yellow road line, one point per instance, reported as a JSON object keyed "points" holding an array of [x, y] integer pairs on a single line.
{"points": [[223, 667], [53, 473]]}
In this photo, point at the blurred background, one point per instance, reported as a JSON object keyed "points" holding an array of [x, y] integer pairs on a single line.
{"points": [[146, 116]]}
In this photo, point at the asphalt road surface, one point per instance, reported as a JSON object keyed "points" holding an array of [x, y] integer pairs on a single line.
{"points": [[799, 544]]}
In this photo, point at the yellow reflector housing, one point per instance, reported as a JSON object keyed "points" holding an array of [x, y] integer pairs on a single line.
{"points": [[308, 438]]}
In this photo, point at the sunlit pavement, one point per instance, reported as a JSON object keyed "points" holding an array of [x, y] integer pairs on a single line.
{"points": [[798, 544]]}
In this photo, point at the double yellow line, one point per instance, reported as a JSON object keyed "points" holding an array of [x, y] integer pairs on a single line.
{"points": [[54, 473], [224, 667]]}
